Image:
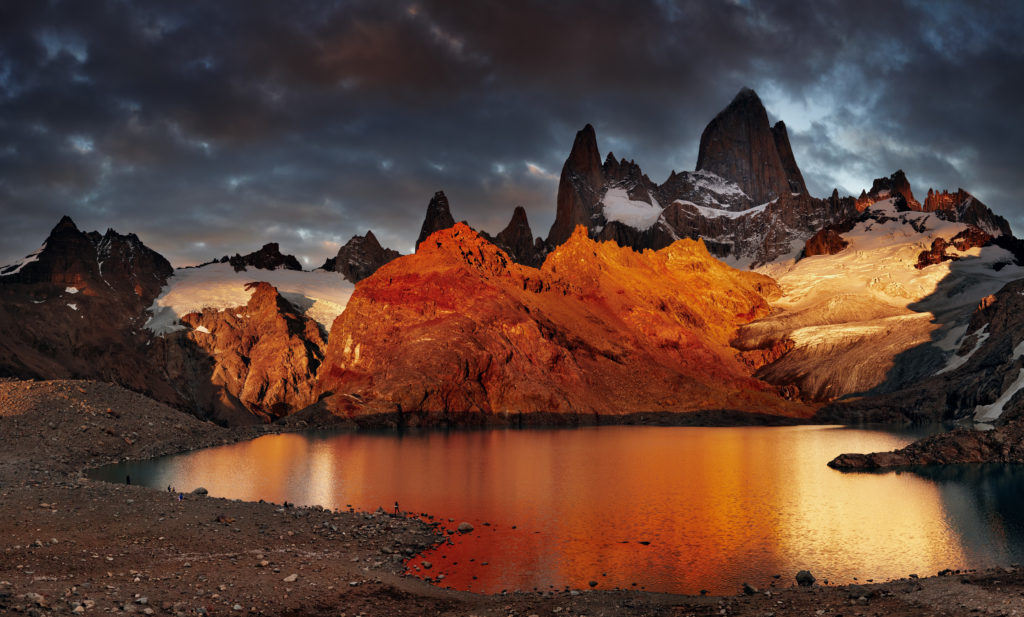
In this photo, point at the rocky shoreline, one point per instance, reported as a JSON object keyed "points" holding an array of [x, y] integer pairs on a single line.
{"points": [[76, 546], [1003, 444]]}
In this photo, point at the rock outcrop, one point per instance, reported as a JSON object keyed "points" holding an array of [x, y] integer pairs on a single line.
{"points": [[267, 258], [517, 241], [264, 354], [961, 446], [896, 186], [439, 217], [360, 257], [828, 241], [599, 329]]}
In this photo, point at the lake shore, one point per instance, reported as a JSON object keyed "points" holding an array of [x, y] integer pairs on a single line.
{"points": [[76, 546]]}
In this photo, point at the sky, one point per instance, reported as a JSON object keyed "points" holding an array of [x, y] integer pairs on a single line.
{"points": [[210, 128]]}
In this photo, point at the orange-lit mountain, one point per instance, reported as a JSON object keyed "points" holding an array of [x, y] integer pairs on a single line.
{"points": [[599, 329]]}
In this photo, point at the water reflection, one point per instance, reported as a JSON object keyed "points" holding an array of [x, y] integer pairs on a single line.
{"points": [[668, 509]]}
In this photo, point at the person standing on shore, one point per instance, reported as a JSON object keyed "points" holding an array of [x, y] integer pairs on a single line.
{"points": [[396, 506]]}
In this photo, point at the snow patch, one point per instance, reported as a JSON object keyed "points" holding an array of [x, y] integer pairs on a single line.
{"points": [[712, 182], [988, 413], [956, 361], [73, 307], [18, 265], [713, 213], [319, 294], [202, 329], [636, 214], [70, 290]]}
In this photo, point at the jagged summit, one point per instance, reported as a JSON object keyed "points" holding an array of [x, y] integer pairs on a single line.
{"points": [[740, 145], [360, 257], [269, 257], [439, 217]]}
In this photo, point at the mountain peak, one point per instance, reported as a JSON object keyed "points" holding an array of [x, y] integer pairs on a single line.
{"points": [[65, 223], [439, 216], [744, 95], [740, 145], [579, 186]]}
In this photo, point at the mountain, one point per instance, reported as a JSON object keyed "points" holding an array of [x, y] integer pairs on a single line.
{"points": [[739, 144], [882, 308], [598, 330], [262, 357], [980, 379], [360, 257], [747, 198], [267, 258], [517, 241], [439, 217], [74, 307]]}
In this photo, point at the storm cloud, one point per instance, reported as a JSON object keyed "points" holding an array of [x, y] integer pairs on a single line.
{"points": [[210, 128]]}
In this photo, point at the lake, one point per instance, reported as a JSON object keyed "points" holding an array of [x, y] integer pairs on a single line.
{"points": [[662, 508]]}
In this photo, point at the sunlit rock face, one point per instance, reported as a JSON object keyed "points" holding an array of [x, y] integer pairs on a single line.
{"points": [[878, 306], [262, 357], [982, 379], [598, 329]]}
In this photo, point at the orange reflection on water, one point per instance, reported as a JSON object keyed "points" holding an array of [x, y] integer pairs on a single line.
{"points": [[669, 509]]}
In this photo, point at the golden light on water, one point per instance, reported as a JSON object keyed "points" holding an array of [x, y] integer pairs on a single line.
{"points": [[671, 509]]}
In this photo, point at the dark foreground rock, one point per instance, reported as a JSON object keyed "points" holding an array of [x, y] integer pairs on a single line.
{"points": [[76, 546], [1004, 444]]}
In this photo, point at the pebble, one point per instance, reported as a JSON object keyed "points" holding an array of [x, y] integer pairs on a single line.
{"points": [[291, 578]]}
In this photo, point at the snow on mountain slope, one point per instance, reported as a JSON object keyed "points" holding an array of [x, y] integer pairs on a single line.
{"points": [[320, 295], [617, 206], [866, 315]]}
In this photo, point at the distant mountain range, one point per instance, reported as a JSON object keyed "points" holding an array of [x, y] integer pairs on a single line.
{"points": [[640, 304]]}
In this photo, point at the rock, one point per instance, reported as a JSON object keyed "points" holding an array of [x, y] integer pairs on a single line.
{"points": [[291, 578], [438, 217], [739, 145], [36, 599], [518, 242], [804, 578], [426, 565], [592, 583], [749, 589], [825, 242], [236, 607], [200, 491], [579, 187], [360, 257], [596, 311], [267, 258], [465, 527]]}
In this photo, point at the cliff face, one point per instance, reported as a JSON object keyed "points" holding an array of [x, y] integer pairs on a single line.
{"points": [[599, 329], [264, 355], [739, 145], [579, 187]]}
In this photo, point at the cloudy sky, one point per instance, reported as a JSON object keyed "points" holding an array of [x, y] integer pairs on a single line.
{"points": [[213, 127]]}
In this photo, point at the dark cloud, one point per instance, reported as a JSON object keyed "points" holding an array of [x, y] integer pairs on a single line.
{"points": [[210, 128]]}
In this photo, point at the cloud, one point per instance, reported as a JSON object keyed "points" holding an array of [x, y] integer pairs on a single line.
{"points": [[211, 128]]}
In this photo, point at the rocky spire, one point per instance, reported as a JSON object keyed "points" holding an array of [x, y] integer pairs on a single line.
{"points": [[739, 145], [517, 240], [579, 187], [438, 217], [793, 175]]}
